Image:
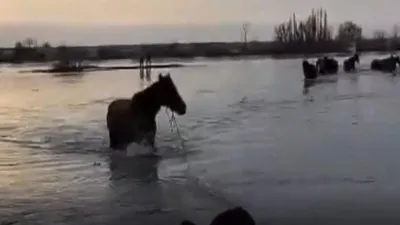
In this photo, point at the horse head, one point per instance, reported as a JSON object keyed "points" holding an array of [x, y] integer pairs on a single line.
{"points": [[169, 95], [356, 58], [396, 59], [305, 63]]}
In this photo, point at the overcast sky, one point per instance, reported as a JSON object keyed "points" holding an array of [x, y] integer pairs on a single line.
{"points": [[190, 11], [92, 22]]}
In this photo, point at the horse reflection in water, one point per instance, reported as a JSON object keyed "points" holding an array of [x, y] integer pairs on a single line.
{"points": [[137, 169], [308, 83], [306, 86], [136, 193]]}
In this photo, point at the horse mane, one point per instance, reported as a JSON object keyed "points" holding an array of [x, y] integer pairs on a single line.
{"points": [[146, 99]]}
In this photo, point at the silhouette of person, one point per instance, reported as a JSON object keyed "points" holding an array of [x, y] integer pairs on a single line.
{"points": [[141, 63]]}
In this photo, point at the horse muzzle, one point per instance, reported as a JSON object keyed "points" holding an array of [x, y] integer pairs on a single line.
{"points": [[181, 110]]}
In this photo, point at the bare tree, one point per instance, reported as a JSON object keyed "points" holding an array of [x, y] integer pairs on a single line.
{"points": [[245, 32], [380, 34], [349, 31], [395, 31], [46, 45], [314, 28]]}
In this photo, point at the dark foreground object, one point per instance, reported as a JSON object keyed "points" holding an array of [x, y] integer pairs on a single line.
{"points": [[349, 65], [327, 66], [309, 70], [386, 65], [235, 216]]}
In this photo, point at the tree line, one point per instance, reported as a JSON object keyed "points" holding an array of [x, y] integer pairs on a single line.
{"points": [[315, 28]]}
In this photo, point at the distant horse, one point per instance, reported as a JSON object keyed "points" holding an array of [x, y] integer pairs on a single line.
{"points": [[327, 66], [309, 70], [349, 64], [387, 65], [134, 120]]}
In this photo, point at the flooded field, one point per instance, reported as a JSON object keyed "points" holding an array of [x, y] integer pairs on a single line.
{"points": [[254, 137]]}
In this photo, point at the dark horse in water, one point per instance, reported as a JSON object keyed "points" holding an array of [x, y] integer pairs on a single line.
{"points": [[134, 120], [309, 70], [327, 66], [349, 65], [385, 65]]}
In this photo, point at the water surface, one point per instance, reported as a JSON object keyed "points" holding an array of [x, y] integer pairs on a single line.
{"points": [[255, 137]]}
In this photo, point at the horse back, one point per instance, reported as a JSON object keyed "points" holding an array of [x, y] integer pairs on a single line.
{"points": [[119, 105], [121, 114], [118, 110]]}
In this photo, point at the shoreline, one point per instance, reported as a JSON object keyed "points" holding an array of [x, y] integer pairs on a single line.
{"points": [[103, 68], [190, 51]]}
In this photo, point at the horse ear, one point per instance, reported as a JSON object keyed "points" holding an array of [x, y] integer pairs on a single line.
{"points": [[168, 74], [160, 76]]}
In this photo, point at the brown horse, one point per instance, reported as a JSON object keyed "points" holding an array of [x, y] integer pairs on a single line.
{"points": [[134, 120]]}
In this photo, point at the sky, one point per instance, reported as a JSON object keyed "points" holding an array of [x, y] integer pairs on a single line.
{"points": [[133, 12], [101, 21]]}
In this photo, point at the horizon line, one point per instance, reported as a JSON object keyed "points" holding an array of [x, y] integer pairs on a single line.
{"points": [[233, 23]]}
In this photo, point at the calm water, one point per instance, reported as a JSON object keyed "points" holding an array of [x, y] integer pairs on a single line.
{"points": [[255, 137]]}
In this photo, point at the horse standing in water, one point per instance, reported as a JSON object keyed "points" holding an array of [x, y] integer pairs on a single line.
{"points": [[349, 65], [309, 70], [327, 66], [385, 65], [134, 120]]}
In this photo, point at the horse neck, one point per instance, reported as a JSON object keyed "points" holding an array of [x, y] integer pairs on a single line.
{"points": [[148, 101]]}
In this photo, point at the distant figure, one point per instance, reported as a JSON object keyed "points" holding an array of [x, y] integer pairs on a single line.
{"points": [[327, 66], [385, 65], [141, 73], [141, 63], [349, 65], [148, 67], [148, 75], [148, 62], [235, 216], [309, 70]]}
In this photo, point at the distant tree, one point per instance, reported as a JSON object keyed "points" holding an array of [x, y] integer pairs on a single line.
{"points": [[395, 31], [349, 31], [380, 34], [46, 45], [245, 32], [18, 45], [62, 53], [314, 29], [29, 43], [19, 51]]}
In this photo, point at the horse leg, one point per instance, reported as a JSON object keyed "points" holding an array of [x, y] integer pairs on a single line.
{"points": [[113, 139], [150, 137]]}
